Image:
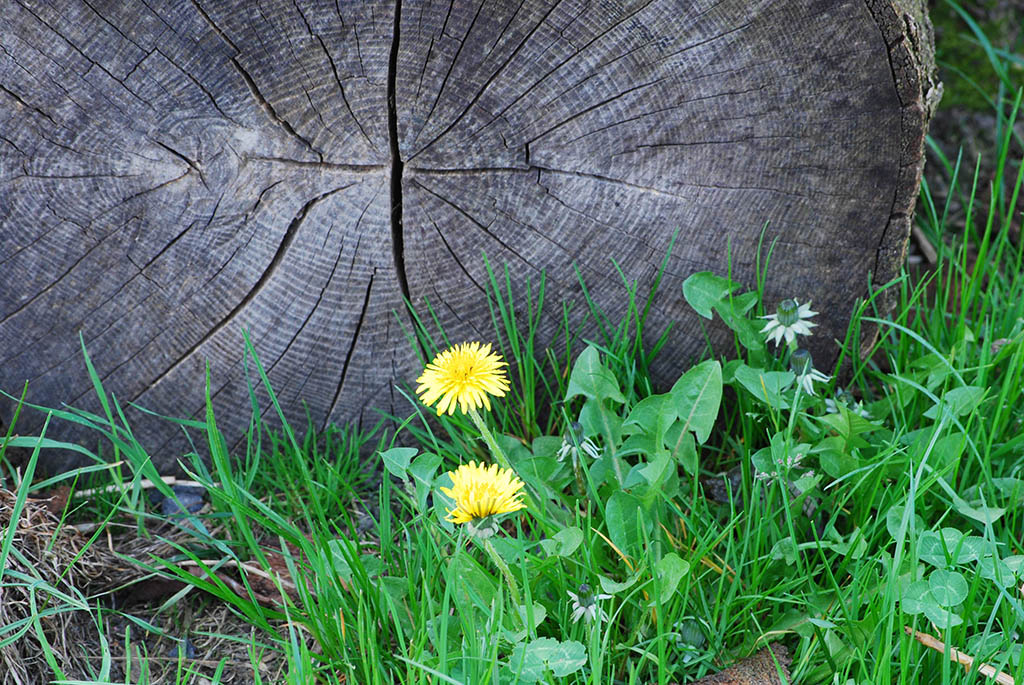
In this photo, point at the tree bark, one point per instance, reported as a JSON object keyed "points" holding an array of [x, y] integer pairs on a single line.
{"points": [[172, 173]]}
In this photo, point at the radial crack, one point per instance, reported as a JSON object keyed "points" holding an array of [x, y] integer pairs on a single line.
{"points": [[397, 166], [275, 262]]}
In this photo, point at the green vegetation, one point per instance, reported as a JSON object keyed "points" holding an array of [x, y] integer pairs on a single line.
{"points": [[668, 534]]}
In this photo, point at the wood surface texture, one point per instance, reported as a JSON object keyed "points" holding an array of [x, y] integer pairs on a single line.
{"points": [[174, 171]]}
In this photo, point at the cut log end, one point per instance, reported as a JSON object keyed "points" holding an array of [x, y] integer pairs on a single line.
{"points": [[177, 173]]}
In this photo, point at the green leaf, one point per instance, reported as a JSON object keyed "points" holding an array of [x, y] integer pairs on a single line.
{"points": [[915, 597], [1015, 564], [785, 550], [546, 446], [622, 515], [651, 415], [396, 460], [539, 614], [942, 618], [656, 470], [972, 548], [697, 395], [958, 401], [473, 587], [834, 458], [563, 543], [995, 570], [422, 471], [894, 518], [938, 548], [531, 661], [703, 290], [611, 587], [733, 313], [670, 569], [766, 386], [685, 447], [597, 419], [949, 588], [982, 514], [849, 426], [592, 379]]}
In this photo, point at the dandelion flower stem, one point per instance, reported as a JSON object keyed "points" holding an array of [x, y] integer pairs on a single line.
{"points": [[492, 444], [499, 456], [513, 587]]}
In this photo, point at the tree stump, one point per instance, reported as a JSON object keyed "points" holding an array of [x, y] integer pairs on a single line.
{"points": [[174, 172]]}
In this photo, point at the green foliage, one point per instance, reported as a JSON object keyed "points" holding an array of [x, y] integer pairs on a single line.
{"points": [[671, 530]]}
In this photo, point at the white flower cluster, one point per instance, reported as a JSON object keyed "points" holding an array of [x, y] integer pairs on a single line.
{"points": [[783, 465]]}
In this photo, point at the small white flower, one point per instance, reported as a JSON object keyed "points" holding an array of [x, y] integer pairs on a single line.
{"points": [[789, 320], [845, 398], [575, 443], [802, 365], [584, 604]]}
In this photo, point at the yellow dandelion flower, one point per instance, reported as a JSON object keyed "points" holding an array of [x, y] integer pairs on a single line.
{"points": [[480, 491], [467, 375]]}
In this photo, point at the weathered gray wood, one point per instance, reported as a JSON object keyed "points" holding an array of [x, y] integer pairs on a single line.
{"points": [[171, 172]]}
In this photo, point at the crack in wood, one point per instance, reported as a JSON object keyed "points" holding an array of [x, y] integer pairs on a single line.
{"points": [[397, 166], [21, 101], [275, 262], [351, 350], [253, 88], [487, 84]]}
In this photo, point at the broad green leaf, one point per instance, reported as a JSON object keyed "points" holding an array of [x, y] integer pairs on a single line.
{"points": [[592, 379], [949, 588], [656, 470], [915, 597], [563, 543], [980, 513], [652, 416], [598, 419], [932, 370], [472, 586], [938, 548], [539, 613], [766, 386], [944, 451], [396, 460], [942, 618], [972, 548], [1015, 564], [785, 550], [835, 460], [670, 569], [622, 515], [894, 519], [643, 444], [854, 546], [733, 313], [696, 397], [958, 401], [530, 661], [850, 426], [546, 446], [685, 451], [422, 472], [611, 587], [996, 570], [703, 290]]}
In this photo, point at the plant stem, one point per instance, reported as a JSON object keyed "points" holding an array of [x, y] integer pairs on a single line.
{"points": [[499, 456], [505, 571]]}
